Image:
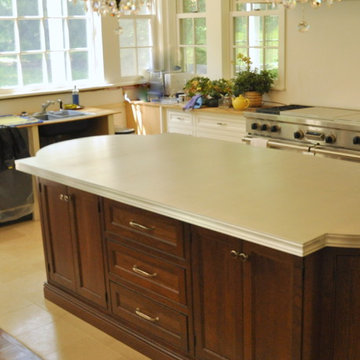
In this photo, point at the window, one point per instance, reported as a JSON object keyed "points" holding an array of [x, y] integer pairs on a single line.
{"points": [[47, 44], [258, 29], [136, 42], [192, 35]]}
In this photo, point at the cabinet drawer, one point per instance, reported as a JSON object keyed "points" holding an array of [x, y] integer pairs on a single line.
{"points": [[151, 273], [150, 229], [179, 122], [218, 128], [149, 317]]}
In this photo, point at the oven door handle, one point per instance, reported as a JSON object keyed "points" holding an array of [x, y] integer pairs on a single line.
{"points": [[281, 145], [336, 153]]}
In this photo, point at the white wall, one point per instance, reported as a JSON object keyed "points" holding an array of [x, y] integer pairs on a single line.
{"points": [[323, 64]]}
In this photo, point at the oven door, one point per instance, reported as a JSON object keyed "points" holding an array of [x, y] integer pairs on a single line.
{"points": [[307, 149], [278, 144]]}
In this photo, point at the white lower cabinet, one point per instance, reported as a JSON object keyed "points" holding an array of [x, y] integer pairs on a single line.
{"points": [[179, 122], [221, 127], [230, 127]]}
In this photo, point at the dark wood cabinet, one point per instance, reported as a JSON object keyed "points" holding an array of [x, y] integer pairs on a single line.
{"points": [[272, 303], [181, 292], [73, 240], [149, 275], [218, 293], [247, 300]]}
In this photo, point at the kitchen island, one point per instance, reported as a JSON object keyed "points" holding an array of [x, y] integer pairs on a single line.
{"points": [[203, 249]]}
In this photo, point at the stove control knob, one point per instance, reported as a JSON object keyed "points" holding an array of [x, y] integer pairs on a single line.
{"points": [[274, 128], [264, 127], [298, 134], [356, 140], [254, 126], [330, 139]]}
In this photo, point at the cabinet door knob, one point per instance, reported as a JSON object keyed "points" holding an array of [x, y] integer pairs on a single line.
{"points": [[146, 317], [64, 197], [239, 255], [139, 226], [143, 273]]}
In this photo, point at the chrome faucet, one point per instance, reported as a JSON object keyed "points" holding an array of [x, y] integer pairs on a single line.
{"points": [[51, 102], [46, 105]]}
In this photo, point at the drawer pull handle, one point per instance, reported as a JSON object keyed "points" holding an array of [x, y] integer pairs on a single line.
{"points": [[239, 255], [143, 273], [146, 317], [139, 226], [221, 124]]}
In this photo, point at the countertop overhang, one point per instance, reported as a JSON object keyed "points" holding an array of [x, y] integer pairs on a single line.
{"points": [[286, 201]]}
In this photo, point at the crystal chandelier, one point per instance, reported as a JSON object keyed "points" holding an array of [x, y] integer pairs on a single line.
{"points": [[117, 8], [314, 3]]}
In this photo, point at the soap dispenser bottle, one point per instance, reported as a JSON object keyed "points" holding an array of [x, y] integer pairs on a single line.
{"points": [[75, 96]]}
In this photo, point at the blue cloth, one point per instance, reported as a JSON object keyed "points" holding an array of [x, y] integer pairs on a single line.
{"points": [[194, 103]]}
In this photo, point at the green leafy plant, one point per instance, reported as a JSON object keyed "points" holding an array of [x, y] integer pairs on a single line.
{"points": [[220, 88], [252, 80], [198, 85]]}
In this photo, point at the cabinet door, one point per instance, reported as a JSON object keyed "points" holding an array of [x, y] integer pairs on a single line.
{"points": [[272, 304], [58, 244], [87, 235], [217, 296]]}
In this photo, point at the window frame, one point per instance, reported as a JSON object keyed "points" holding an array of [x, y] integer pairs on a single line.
{"points": [[139, 76], [280, 12], [190, 15], [95, 58]]}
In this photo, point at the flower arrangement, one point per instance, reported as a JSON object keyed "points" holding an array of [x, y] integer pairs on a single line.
{"points": [[220, 88], [252, 80], [198, 85]]}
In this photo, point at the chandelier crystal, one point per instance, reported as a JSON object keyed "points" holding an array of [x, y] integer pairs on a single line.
{"points": [[117, 8]]}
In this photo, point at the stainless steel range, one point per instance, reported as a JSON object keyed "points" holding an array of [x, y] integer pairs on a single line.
{"points": [[313, 130]]}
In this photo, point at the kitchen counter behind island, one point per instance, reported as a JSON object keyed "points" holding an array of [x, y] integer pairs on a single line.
{"points": [[190, 248]]}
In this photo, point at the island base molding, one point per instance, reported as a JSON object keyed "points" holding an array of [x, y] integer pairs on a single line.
{"points": [[105, 323]]}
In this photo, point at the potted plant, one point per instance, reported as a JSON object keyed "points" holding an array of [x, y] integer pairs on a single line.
{"points": [[198, 85], [252, 83]]}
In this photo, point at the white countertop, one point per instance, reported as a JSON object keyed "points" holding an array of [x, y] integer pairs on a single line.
{"points": [[287, 201]]}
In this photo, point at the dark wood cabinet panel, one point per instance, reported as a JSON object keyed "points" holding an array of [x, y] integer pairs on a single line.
{"points": [[153, 274], [218, 296], [146, 316], [88, 242], [272, 304], [56, 226], [149, 229], [73, 240], [347, 308]]}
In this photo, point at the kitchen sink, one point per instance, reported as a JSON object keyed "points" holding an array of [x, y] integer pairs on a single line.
{"points": [[62, 128], [58, 115]]}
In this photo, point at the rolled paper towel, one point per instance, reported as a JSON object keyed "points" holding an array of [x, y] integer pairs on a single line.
{"points": [[259, 142]]}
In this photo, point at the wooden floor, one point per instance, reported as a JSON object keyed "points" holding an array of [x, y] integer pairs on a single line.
{"points": [[47, 330], [10, 348]]}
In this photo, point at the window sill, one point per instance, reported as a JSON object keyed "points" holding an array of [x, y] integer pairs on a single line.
{"points": [[31, 93]]}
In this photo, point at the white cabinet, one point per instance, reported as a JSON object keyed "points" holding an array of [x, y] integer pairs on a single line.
{"points": [[179, 122], [216, 125], [222, 127]]}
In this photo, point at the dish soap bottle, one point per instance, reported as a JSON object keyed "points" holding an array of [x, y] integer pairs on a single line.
{"points": [[75, 96]]}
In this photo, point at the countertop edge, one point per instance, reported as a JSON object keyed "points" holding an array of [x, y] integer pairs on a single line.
{"points": [[301, 250]]}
